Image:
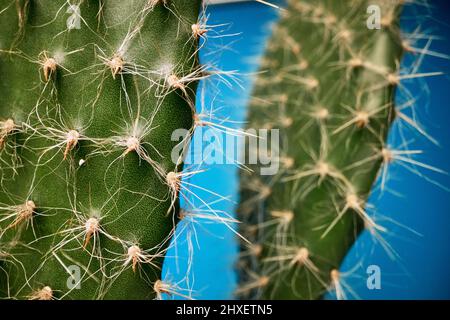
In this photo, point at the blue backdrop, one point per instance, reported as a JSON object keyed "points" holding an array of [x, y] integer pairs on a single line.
{"points": [[415, 209]]}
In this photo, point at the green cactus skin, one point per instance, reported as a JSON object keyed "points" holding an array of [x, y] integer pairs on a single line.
{"points": [[329, 85], [86, 170]]}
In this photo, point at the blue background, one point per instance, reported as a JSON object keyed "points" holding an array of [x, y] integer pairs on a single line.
{"points": [[422, 269]]}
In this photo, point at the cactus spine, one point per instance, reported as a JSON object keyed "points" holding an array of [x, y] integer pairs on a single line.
{"points": [[91, 92], [329, 85]]}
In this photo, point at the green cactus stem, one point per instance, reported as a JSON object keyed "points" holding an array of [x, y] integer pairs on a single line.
{"points": [[91, 92]]}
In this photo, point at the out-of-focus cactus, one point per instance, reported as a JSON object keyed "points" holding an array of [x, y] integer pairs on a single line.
{"points": [[328, 83]]}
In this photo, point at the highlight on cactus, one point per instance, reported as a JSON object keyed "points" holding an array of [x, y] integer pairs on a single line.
{"points": [[90, 98], [113, 112]]}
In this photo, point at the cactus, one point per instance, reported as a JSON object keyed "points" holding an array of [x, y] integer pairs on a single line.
{"points": [[91, 92], [328, 82]]}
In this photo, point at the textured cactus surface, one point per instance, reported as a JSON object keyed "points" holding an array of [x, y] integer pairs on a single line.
{"points": [[328, 83], [90, 93]]}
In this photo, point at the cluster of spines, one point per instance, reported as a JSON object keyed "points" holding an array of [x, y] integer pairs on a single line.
{"points": [[328, 83]]}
